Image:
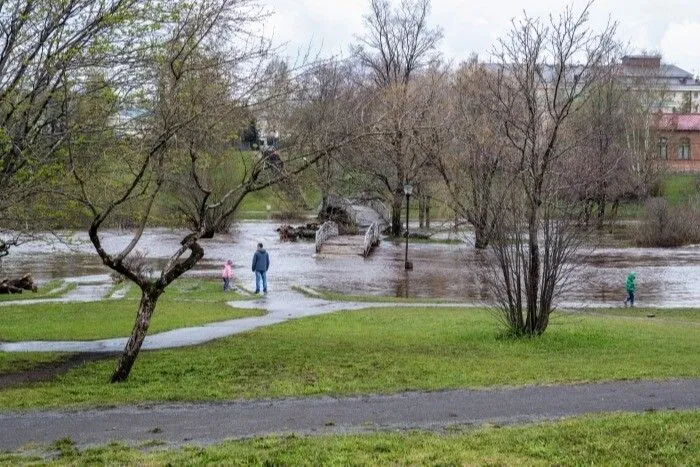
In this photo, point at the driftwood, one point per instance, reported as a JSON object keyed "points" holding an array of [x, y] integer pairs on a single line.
{"points": [[289, 233], [12, 286]]}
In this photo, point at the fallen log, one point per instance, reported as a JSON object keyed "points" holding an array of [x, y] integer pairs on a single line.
{"points": [[290, 233], [15, 286]]}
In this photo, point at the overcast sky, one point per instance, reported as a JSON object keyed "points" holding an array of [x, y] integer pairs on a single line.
{"points": [[671, 27]]}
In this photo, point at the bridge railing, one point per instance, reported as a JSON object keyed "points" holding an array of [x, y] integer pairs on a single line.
{"points": [[328, 229], [372, 239]]}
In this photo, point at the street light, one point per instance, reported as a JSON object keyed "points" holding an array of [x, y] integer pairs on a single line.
{"points": [[407, 189]]}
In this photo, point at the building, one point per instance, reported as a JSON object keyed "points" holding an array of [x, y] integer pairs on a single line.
{"points": [[679, 140], [679, 91]]}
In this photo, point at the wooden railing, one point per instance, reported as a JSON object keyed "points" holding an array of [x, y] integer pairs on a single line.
{"points": [[371, 239], [328, 229]]}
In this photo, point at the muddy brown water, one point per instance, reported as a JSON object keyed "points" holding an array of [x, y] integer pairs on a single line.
{"points": [[666, 277]]}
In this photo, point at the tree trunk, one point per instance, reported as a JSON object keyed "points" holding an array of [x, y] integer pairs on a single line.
{"points": [[421, 211], [481, 237], [600, 216], [533, 273], [482, 228], [138, 334], [396, 205], [427, 212]]}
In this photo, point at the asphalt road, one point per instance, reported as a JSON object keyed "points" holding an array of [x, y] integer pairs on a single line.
{"points": [[210, 422]]}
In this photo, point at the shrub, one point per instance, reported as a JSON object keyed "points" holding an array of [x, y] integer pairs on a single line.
{"points": [[669, 226], [137, 262]]}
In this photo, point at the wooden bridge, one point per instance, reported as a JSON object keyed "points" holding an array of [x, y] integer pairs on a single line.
{"points": [[329, 242]]}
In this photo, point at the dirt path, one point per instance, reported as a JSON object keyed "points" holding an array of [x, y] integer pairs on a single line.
{"points": [[49, 370], [205, 423]]}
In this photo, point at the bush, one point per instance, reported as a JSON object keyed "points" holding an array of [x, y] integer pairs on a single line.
{"points": [[137, 262], [669, 226]]}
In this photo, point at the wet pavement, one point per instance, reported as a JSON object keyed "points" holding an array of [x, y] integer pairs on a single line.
{"points": [[280, 307], [666, 277], [206, 423]]}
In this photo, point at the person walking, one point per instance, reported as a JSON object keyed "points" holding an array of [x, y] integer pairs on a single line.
{"points": [[631, 287], [261, 263], [227, 275]]}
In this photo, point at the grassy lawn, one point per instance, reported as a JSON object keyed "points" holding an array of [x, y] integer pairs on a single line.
{"points": [[382, 351], [339, 297], [115, 318], [677, 189], [47, 290], [665, 438], [194, 289], [665, 314]]}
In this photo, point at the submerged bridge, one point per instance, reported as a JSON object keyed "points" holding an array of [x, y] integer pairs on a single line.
{"points": [[329, 242]]}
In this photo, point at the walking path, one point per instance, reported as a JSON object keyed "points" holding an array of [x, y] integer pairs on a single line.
{"points": [[280, 306], [205, 423]]}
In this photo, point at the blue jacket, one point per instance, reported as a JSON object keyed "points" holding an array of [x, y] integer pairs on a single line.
{"points": [[261, 261]]}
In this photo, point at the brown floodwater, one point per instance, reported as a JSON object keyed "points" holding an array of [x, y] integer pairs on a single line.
{"points": [[665, 277]]}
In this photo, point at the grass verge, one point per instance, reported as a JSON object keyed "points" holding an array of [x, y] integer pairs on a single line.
{"points": [[665, 438], [338, 297], [105, 319], [658, 314], [51, 289], [382, 351], [194, 289]]}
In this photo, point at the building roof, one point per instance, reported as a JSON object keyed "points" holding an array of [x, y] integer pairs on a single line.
{"points": [[677, 122]]}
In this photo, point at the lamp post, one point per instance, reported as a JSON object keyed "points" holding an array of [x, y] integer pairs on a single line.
{"points": [[407, 189]]}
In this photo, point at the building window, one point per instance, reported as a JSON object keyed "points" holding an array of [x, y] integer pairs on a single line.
{"points": [[684, 149], [663, 147]]}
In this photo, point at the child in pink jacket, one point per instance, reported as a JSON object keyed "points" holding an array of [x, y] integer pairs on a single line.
{"points": [[227, 275]]}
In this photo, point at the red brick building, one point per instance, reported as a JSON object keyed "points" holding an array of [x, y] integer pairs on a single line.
{"points": [[679, 141]]}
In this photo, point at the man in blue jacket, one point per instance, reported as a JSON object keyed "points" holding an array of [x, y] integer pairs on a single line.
{"points": [[261, 263]]}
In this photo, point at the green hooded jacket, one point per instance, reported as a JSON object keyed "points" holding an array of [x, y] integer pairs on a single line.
{"points": [[630, 282]]}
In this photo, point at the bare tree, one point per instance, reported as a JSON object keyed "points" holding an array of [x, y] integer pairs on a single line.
{"points": [[545, 70], [397, 45], [42, 43], [601, 167], [473, 169]]}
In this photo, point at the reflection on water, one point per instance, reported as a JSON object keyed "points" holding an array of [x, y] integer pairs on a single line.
{"points": [[666, 277]]}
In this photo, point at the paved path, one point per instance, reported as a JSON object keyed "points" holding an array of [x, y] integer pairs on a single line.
{"points": [[203, 423], [280, 306]]}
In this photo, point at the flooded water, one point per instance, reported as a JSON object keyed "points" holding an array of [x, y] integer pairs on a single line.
{"points": [[665, 277]]}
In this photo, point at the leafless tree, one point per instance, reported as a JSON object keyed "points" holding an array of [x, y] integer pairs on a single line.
{"points": [[397, 44], [545, 71], [473, 168], [601, 167]]}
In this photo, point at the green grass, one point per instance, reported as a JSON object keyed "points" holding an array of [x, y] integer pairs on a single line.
{"points": [[194, 289], [382, 351], [659, 314], [676, 189], [679, 188], [45, 291], [338, 297], [664, 438], [104, 319]]}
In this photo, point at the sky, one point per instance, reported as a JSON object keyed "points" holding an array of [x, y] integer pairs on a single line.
{"points": [[329, 27]]}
